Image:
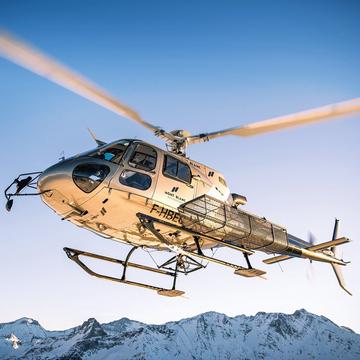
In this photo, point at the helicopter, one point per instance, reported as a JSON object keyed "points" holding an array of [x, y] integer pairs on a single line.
{"points": [[147, 197]]}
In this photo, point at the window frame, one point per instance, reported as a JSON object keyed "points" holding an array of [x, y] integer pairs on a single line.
{"points": [[101, 151], [134, 151], [76, 178], [177, 169]]}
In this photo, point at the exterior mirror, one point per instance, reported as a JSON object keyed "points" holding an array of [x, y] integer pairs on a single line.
{"points": [[9, 204]]}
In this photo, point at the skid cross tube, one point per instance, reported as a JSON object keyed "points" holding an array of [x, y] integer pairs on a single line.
{"points": [[248, 261], [126, 262], [186, 264], [175, 274], [74, 254], [196, 240], [148, 223]]}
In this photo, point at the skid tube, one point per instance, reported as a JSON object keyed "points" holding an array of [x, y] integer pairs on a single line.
{"points": [[149, 221], [74, 255]]}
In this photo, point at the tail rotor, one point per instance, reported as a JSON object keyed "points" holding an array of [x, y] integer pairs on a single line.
{"points": [[310, 272]]}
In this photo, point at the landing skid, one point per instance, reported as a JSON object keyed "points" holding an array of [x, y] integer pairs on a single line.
{"points": [[183, 262], [74, 255]]}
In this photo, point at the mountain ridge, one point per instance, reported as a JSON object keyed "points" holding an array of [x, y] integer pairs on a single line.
{"points": [[211, 335]]}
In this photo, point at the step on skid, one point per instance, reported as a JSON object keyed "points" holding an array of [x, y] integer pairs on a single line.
{"points": [[249, 272]]}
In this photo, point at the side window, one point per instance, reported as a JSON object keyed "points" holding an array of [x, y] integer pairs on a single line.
{"points": [[144, 158], [184, 172], [177, 169], [170, 167], [222, 181], [135, 179]]}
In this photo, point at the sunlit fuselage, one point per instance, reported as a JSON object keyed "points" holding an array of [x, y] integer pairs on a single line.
{"points": [[103, 192]]}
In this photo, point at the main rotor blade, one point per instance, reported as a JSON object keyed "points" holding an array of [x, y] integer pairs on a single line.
{"points": [[33, 60], [283, 122]]}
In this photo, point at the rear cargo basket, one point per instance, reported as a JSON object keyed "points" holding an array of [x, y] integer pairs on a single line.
{"points": [[213, 217]]}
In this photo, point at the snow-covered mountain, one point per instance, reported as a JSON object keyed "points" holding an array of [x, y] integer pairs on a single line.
{"points": [[211, 335]]}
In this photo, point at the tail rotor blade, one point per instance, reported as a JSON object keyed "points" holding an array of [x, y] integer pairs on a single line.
{"points": [[312, 238], [310, 273]]}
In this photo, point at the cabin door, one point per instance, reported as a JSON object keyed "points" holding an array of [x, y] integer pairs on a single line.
{"points": [[175, 184], [138, 172]]}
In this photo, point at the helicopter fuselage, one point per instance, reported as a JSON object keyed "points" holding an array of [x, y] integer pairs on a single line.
{"points": [[102, 190], [105, 189]]}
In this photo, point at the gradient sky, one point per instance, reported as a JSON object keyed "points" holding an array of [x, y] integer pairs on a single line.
{"points": [[197, 65]]}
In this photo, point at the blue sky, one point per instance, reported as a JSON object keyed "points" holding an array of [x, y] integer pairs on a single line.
{"points": [[200, 66]]}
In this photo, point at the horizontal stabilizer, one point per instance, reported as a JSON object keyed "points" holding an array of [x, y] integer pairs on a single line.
{"points": [[276, 259], [328, 244]]}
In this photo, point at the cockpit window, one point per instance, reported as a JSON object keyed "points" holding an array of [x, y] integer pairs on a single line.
{"points": [[143, 157], [88, 177], [113, 153]]}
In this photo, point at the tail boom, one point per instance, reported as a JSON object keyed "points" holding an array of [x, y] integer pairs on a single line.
{"points": [[314, 252], [324, 252], [320, 256]]}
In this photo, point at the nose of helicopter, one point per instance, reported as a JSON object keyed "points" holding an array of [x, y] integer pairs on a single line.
{"points": [[71, 182], [56, 186], [55, 177]]}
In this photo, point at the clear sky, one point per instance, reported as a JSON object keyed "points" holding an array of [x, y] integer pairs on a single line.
{"points": [[201, 66]]}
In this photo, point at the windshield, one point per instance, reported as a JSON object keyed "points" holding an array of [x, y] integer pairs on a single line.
{"points": [[113, 152]]}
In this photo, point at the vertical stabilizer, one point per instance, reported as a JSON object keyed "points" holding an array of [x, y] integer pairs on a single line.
{"points": [[340, 278], [336, 267]]}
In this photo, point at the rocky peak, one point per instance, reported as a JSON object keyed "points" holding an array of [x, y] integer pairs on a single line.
{"points": [[91, 328]]}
